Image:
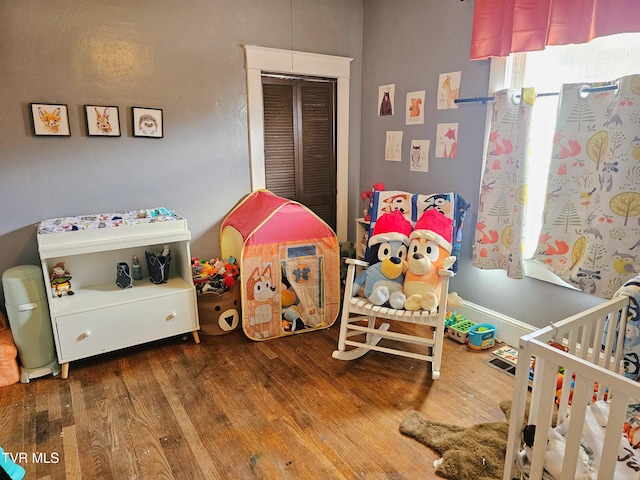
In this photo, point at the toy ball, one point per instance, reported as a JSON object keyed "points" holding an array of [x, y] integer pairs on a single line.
{"points": [[287, 297]]}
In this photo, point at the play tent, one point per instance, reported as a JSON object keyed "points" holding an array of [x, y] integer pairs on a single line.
{"points": [[289, 263]]}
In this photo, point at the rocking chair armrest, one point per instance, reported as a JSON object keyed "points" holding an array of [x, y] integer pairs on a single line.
{"points": [[446, 273], [355, 261]]}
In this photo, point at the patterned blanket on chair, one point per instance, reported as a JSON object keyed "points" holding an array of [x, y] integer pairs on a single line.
{"points": [[413, 205]]}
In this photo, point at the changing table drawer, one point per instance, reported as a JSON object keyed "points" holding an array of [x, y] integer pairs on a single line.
{"points": [[98, 331]]}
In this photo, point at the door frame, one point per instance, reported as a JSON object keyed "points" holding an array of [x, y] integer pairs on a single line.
{"points": [[273, 60]]}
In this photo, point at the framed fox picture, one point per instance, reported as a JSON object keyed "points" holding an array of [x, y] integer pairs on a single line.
{"points": [[50, 119]]}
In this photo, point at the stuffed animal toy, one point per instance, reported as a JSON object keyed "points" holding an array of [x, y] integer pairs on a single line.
{"points": [[384, 277], [61, 280], [429, 252], [367, 195]]}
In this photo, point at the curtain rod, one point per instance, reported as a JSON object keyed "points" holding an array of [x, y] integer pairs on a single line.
{"points": [[549, 94]]}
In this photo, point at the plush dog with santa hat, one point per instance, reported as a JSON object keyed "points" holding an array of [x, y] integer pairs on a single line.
{"points": [[384, 277], [429, 252]]}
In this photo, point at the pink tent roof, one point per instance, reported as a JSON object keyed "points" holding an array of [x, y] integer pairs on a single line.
{"points": [[263, 217]]}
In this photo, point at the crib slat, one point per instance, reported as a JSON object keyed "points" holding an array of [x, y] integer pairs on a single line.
{"points": [[611, 444], [581, 398], [544, 381]]}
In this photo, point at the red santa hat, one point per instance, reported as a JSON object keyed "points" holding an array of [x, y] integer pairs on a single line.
{"points": [[391, 227], [434, 225]]}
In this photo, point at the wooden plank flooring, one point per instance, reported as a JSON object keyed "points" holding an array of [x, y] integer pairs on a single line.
{"points": [[231, 408]]}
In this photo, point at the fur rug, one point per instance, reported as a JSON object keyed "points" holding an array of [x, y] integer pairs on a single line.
{"points": [[468, 453]]}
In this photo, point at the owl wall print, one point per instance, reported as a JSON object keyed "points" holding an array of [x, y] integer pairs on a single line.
{"points": [[147, 122], [419, 156]]}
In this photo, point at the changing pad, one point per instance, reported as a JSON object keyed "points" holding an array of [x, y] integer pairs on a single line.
{"points": [[106, 220]]}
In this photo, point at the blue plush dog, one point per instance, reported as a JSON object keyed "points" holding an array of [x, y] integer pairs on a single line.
{"points": [[384, 278]]}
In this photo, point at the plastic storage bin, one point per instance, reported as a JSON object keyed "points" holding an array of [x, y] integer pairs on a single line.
{"points": [[28, 313], [481, 336]]}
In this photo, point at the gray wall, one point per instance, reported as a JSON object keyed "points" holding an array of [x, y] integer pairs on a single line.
{"points": [[184, 57], [409, 43]]}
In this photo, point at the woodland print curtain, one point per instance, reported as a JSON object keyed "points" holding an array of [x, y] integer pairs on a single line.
{"points": [[591, 222], [499, 237]]}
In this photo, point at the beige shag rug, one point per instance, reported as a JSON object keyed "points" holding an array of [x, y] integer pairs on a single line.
{"points": [[468, 453]]}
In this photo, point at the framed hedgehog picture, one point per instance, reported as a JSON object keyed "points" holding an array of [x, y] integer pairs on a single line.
{"points": [[147, 122]]}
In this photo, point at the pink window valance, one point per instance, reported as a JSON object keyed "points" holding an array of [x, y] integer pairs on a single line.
{"points": [[501, 27]]}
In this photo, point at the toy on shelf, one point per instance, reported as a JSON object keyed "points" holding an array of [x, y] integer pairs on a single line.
{"points": [[367, 196], [217, 275], [61, 280]]}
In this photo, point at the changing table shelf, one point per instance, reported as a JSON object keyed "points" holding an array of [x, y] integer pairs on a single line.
{"points": [[100, 316]]}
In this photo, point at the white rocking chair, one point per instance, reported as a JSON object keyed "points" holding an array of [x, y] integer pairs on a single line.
{"points": [[370, 335]]}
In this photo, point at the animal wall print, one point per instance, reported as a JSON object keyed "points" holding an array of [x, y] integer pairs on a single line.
{"points": [[414, 108], [49, 119], [446, 140], [448, 90], [385, 100], [147, 122], [103, 121], [419, 156]]}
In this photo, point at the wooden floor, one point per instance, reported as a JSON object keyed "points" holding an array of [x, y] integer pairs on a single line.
{"points": [[233, 408]]}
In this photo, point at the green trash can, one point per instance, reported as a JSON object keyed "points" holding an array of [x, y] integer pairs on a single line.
{"points": [[28, 313]]}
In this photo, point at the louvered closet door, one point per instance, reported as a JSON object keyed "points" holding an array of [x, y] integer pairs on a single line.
{"points": [[299, 135]]}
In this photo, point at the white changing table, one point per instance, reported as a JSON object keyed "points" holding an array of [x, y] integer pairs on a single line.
{"points": [[101, 317]]}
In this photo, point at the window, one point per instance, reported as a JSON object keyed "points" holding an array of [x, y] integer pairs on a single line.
{"points": [[602, 59]]}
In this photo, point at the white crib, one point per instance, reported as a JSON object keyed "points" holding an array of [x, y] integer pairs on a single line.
{"points": [[586, 362]]}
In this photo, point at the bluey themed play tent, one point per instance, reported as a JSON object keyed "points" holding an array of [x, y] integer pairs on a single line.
{"points": [[289, 265]]}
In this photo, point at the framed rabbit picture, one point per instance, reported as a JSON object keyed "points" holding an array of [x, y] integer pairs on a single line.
{"points": [[102, 121]]}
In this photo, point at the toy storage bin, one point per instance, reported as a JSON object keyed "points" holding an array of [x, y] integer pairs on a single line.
{"points": [[460, 331], [219, 313], [481, 336]]}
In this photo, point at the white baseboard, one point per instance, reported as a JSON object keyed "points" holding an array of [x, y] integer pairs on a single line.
{"points": [[508, 329]]}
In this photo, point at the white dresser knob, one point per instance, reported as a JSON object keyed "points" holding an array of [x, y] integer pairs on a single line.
{"points": [[171, 316]]}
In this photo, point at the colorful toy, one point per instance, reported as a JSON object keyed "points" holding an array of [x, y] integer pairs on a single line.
{"points": [[367, 196], [263, 230], [217, 275], [429, 252], [384, 277], [460, 331], [61, 280], [481, 336], [451, 318]]}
